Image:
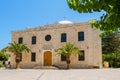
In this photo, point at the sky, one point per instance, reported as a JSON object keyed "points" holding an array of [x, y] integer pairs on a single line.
{"points": [[22, 14]]}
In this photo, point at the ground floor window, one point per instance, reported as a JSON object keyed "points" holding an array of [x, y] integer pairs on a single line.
{"points": [[82, 56], [33, 56], [63, 58], [20, 56]]}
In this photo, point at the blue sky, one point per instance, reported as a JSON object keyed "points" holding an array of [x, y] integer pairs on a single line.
{"points": [[20, 14]]}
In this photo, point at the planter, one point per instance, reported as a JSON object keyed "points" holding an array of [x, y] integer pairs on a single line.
{"points": [[106, 64]]}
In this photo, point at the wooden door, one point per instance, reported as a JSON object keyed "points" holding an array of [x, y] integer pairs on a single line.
{"points": [[47, 58]]}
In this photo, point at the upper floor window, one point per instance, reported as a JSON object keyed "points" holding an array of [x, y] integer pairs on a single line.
{"points": [[82, 56], [63, 58], [48, 37], [63, 37], [34, 40], [80, 36], [33, 56], [20, 40]]}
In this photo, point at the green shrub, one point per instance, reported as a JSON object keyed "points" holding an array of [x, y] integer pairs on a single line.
{"points": [[113, 59], [4, 56], [1, 65]]}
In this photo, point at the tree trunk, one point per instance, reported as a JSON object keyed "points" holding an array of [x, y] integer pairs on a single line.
{"points": [[68, 61], [17, 65], [17, 60]]}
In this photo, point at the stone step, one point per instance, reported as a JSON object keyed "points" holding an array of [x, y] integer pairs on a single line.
{"points": [[45, 67]]}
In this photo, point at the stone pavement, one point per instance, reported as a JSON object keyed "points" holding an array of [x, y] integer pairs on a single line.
{"points": [[72, 74]]}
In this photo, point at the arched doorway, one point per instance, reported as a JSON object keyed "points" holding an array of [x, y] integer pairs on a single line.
{"points": [[47, 58]]}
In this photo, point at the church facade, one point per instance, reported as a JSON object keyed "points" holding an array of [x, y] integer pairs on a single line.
{"points": [[45, 40]]}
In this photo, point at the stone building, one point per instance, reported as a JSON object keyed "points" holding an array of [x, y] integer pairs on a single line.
{"points": [[45, 40]]}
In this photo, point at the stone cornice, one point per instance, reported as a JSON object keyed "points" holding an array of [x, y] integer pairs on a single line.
{"points": [[53, 26]]}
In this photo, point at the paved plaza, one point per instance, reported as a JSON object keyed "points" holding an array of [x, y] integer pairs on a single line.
{"points": [[72, 74]]}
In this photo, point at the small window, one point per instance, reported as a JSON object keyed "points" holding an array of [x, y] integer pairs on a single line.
{"points": [[20, 40], [33, 56], [63, 37], [34, 40], [80, 36], [82, 56], [63, 58]]}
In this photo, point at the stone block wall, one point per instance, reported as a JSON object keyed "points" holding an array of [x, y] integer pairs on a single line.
{"points": [[91, 44]]}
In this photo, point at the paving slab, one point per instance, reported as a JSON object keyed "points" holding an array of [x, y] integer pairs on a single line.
{"points": [[72, 74]]}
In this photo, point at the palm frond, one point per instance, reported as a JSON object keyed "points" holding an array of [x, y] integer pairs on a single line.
{"points": [[17, 48], [68, 49]]}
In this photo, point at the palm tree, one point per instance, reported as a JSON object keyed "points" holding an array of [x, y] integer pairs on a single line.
{"points": [[67, 50], [17, 49]]}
